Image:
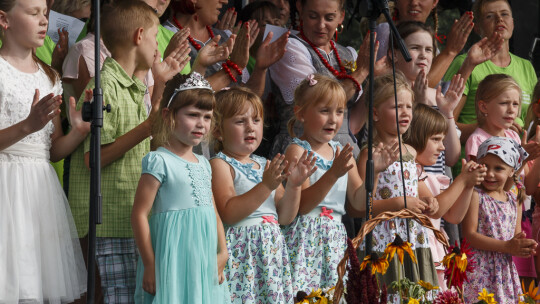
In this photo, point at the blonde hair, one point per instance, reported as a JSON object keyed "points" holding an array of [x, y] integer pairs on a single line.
{"points": [[491, 87], [383, 89], [232, 102], [326, 89], [122, 18], [200, 98], [426, 122], [531, 120]]}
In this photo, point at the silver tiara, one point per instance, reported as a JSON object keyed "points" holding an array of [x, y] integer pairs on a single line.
{"points": [[194, 81]]}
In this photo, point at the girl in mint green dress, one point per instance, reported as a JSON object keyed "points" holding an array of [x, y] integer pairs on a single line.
{"points": [[182, 243]]}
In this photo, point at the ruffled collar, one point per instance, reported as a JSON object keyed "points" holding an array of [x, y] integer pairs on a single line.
{"points": [[254, 175], [321, 162]]}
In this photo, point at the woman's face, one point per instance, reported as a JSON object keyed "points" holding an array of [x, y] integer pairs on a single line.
{"points": [[415, 10], [320, 20], [284, 10], [208, 10], [496, 17]]}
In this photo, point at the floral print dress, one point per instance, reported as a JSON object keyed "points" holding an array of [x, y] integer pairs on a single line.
{"points": [[495, 271]]}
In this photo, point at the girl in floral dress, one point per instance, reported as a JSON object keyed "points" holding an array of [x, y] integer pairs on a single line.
{"points": [[317, 239], [251, 200], [490, 224], [388, 191]]}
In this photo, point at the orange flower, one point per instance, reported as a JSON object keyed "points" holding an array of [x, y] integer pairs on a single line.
{"points": [[531, 295], [378, 265], [399, 246]]}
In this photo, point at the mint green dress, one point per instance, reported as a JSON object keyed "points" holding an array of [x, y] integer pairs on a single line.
{"points": [[184, 233]]}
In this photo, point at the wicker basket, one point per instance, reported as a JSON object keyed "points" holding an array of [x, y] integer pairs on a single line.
{"points": [[369, 226]]}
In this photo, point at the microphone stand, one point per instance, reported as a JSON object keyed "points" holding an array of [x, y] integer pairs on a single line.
{"points": [[94, 112], [375, 8]]}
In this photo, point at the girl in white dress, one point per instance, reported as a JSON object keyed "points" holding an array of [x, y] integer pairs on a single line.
{"points": [[40, 255]]}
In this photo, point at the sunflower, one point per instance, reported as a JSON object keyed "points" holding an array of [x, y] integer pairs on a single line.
{"points": [[413, 301], [531, 295], [378, 265], [486, 297], [427, 286], [399, 246]]}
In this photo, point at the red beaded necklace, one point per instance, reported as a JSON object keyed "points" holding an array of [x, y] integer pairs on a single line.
{"points": [[190, 39], [342, 74]]}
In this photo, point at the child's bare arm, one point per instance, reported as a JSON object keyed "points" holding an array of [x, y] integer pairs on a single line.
{"points": [[288, 198], [144, 199], [223, 253], [517, 246], [232, 207], [42, 111]]}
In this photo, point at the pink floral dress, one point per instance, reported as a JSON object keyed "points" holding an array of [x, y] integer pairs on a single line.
{"points": [[495, 271]]}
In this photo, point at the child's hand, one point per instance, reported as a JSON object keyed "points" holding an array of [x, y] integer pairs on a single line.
{"points": [[384, 156], [449, 101], [273, 172], [520, 246], [213, 53], [42, 111], [222, 258], [75, 117], [416, 205], [421, 87], [342, 162], [149, 279], [533, 148], [473, 173], [60, 50], [172, 65], [432, 205], [270, 53], [302, 170]]}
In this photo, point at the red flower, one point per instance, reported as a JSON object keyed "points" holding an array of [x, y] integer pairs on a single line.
{"points": [[458, 262]]}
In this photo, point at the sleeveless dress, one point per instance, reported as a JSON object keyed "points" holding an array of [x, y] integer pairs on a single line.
{"points": [[184, 233], [40, 254], [317, 240], [495, 271], [389, 185], [258, 265], [285, 110]]}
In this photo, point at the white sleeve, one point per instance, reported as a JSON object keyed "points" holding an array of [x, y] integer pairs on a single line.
{"points": [[294, 67]]}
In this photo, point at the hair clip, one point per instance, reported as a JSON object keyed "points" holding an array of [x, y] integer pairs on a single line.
{"points": [[312, 80]]}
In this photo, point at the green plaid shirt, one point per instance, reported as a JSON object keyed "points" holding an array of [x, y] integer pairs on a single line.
{"points": [[119, 179]]}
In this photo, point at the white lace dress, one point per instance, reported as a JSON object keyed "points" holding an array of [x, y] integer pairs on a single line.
{"points": [[40, 254]]}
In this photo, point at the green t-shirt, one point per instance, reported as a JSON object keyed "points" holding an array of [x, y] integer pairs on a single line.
{"points": [[163, 38], [520, 69], [118, 179]]}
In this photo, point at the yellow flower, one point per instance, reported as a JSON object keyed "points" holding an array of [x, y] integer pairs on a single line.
{"points": [[531, 294], [427, 286], [378, 265], [486, 297], [413, 301], [399, 246]]}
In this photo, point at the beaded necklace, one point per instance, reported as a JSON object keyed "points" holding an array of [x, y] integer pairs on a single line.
{"points": [[190, 39], [342, 74]]}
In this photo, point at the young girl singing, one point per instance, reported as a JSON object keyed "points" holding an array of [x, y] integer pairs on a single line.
{"points": [[492, 224], [40, 255], [389, 193], [317, 239], [182, 245], [252, 201], [426, 136]]}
